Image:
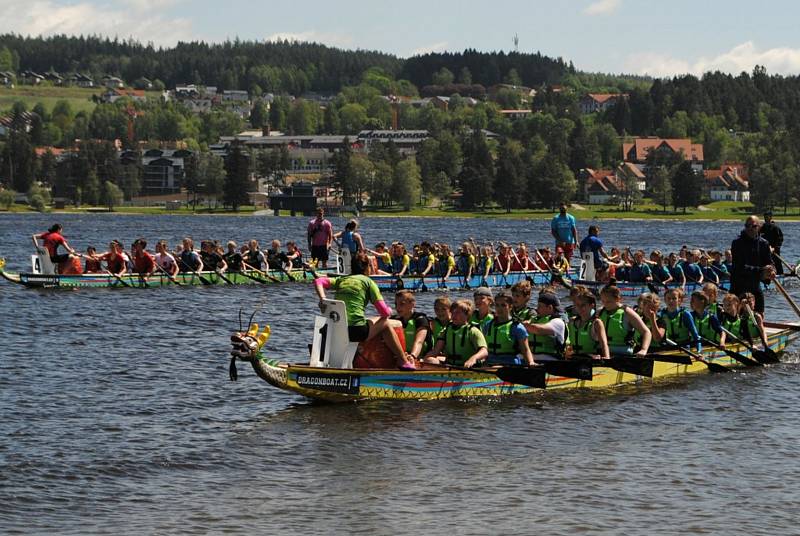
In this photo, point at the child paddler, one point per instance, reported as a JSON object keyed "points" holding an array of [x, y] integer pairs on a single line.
{"points": [[752, 320], [460, 343], [416, 326], [426, 261], [356, 291], [441, 310], [483, 306], [233, 258], [621, 323], [521, 295], [730, 317], [381, 260], [678, 323], [547, 334], [506, 339], [660, 271], [647, 306], [707, 324], [587, 334], [465, 263]]}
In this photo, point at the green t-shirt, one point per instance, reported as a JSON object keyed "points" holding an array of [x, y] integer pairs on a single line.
{"points": [[356, 291]]}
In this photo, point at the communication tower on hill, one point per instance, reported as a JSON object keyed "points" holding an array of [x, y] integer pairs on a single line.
{"points": [[515, 40]]}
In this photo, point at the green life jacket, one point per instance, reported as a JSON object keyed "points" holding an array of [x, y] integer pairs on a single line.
{"points": [[480, 322], [619, 338], [732, 324], [524, 315], [749, 329], [458, 346], [545, 344], [637, 337], [703, 325], [580, 337], [676, 331], [499, 339], [714, 309], [410, 331], [436, 328]]}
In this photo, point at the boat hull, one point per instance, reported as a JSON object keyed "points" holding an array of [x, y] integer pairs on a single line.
{"points": [[432, 383], [633, 290], [153, 281]]}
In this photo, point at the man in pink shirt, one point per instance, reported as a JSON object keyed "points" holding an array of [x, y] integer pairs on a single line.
{"points": [[320, 236]]}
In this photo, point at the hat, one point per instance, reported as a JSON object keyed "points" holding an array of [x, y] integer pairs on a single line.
{"points": [[482, 291], [548, 298]]}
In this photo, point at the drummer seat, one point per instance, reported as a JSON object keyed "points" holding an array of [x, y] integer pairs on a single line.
{"points": [[41, 263], [331, 346]]}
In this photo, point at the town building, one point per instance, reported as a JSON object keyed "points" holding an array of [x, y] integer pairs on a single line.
{"points": [[637, 150], [599, 102], [728, 183]]}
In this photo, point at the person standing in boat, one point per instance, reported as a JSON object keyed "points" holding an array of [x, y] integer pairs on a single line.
{"points": [[752, 262], [320, 236], [565, 231], [592, 244], [356, 291], [350, 239], [774, 236], [51, 239]]}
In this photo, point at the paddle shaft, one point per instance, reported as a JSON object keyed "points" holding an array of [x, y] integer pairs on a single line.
{"points": [[746, 361], [118, 278], [789, 299], [713, 367]]}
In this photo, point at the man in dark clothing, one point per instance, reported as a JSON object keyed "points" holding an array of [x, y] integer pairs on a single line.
{"points": [[752, 262], [773, 234]]}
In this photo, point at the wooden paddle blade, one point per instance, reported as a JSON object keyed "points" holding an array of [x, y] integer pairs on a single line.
{"points": [[680, 359], [532, 377], [632, 365], [580, 369], [766, 356], [716, 367]]}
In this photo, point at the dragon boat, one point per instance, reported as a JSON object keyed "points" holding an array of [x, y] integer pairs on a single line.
{"points": [[537, 278], [330, 374], [633, 290], [157, 279]]}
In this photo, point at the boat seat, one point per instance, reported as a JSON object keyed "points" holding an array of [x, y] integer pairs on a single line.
{"points": [[41, 263], [587, 270], [331, 346]]}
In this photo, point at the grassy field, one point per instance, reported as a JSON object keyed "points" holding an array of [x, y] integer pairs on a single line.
{"points": [[183, 211], [79, 98], [719, 210]]}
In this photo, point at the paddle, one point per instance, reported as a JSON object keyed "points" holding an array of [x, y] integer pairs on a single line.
{"points": [[680, 359], [792, 269], [712, 367], [524, 271], [530, 376], [202, 279], [767, 355], [169, 275], [265, 274], [555, 275], [746, 361], [118, 278], [789, 300], [227, 281]]}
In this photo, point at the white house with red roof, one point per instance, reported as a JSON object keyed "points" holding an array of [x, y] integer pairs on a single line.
{"points": [[728, 183], [599, 102]]}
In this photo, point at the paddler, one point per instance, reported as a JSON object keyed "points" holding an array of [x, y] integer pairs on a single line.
{"points": [[675, 270], [254, 258], [382, 264], [294, 256], [560, 261], [189, 260], [427, 260], [92, 264], [115, 262], [752, 320], [592, 244], [276, 259], [731, 317], [441, 310], [647, 306], [164, 258], [707, 324], [356, 291], [691, 267], [483, 299], [659, 270], [621, 323], [51, 239], [466, 261], [587, 334], [416, 326], [639, 271], [679, 326], [547, 334], [506, 339], [212, 260], [752, 262], [400, 259], [233, 258], [461, 343], [144, 263], [521, 295], [718, 266]]}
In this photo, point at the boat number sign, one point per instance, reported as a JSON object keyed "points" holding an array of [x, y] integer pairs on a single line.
{"points": [[334, 383]]}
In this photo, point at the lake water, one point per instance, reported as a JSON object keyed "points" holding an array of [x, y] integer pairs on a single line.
{"points": [[118, 416]]}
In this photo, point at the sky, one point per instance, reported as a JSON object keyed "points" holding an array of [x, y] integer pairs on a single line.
{"points": [[612, 36]]}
